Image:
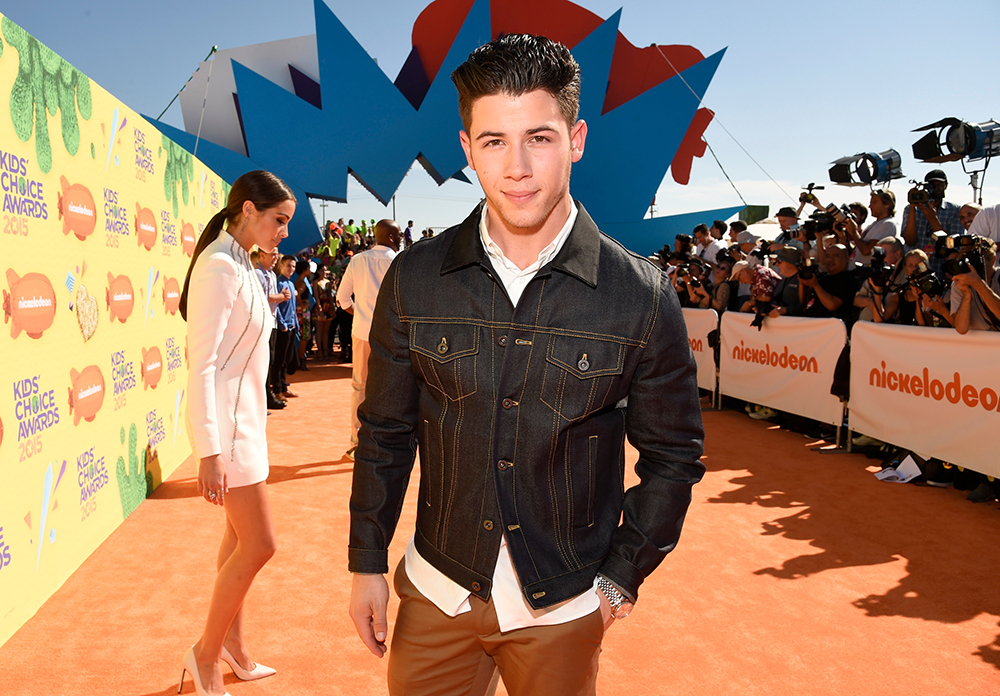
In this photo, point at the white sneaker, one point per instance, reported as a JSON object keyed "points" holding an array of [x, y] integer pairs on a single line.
{"points": [[763, 413]]}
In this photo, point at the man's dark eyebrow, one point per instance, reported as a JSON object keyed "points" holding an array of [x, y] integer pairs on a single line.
{"points": [[530, 131]]}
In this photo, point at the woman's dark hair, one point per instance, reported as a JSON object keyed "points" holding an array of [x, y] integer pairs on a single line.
{"points": [[261, 188]]}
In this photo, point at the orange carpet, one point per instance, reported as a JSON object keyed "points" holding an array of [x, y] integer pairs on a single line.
{"points": [[797, 573]]}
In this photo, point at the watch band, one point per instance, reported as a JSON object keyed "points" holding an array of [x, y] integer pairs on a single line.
{"points": [[621, 606]]}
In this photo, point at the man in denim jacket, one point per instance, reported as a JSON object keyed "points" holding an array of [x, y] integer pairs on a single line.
{"points": [[517, 351]]}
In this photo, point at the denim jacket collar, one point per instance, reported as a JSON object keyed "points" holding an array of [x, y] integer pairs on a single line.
{"points": [[579, 256]]}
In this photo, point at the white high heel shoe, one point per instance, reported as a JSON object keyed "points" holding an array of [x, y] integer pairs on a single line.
{"points": [[190, 664], [258, 672]]}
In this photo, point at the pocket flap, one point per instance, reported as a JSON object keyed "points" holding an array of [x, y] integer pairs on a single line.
{"points": [[586, 358], [444, 342]]}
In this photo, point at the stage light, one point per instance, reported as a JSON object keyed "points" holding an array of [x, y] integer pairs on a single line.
{"points": [[961, 139], [866, 168]]}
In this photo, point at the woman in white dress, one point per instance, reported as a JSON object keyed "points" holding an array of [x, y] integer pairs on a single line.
{"points": [[229, 324]]}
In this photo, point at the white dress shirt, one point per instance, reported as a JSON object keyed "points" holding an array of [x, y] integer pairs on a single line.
{"points": [[362, 279], [513, 611]]}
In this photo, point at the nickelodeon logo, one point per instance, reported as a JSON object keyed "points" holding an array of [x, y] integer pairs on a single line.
{"points": [[923, 385], [696, 345], [772, 358]]}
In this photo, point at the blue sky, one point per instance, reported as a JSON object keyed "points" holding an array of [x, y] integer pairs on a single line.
{"points": [[802, 83]]}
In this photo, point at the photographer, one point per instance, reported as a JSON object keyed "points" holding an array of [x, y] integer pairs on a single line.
{"points": [[788, 221], [831, 294], [721, 289], [967, 214], [698, 287], [787, 296], [919, 294], [763, 282], [718, 229], [883, 208], [875, 299], [708, 247], [735, 227], [928, 212], [974, 292]]}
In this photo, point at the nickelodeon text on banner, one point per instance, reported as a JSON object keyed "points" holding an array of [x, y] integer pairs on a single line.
{"points": [[931, 391], [787, 365], [100, 216], [701, 322]]}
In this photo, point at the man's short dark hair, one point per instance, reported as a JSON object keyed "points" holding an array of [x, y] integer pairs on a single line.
{"points": [[287, 258], [738, 225], [516, 64], [701, 228]]}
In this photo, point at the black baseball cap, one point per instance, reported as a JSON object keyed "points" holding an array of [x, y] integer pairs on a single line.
{"points": [[788, 212], [936, 175]]}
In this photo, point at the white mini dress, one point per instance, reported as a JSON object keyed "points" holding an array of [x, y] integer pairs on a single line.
{"points": [[228, 330]]}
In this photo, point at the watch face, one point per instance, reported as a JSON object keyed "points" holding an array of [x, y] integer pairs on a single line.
{"points": [[623, 610]]}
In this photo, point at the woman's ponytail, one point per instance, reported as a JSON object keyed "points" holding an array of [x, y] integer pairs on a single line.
{"points": [[208, 235]]}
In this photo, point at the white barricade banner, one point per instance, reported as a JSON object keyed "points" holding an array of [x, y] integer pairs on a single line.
{"points": [[932, 391], [787, 365], [700, 322]]}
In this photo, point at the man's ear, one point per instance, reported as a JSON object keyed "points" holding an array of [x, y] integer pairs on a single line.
{"points": [[578, 138], [467, 148]]}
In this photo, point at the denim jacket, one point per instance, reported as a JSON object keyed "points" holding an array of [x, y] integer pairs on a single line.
{"points": [[520, 416]]}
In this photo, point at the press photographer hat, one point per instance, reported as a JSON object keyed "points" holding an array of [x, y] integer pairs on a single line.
{"points": [[738, 268], [936, 175], [787, 212], [746, 238], [789, 255]]}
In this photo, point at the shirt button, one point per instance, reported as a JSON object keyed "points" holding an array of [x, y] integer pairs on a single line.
{"points": [[503, 464], [476, 587], [488, 525], [502, 340], [507, 403]]}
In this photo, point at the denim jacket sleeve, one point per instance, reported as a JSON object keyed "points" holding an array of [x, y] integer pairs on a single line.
{"points": [[388, 444], [663, 423]]}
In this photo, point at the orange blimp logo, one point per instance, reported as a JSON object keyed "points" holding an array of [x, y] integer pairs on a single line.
{"points": [[188, 240], [171, 295], [145, 227], [86, 393], [120, 298], [152, 368], [30, 306], [76, 209]]}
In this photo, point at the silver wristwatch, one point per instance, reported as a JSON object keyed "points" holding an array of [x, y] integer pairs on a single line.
{"points": [[621, 606]]}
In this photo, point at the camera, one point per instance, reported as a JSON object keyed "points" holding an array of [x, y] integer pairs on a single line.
{"points": [[727, 254], [806, 269], [818, 222], [969, 249], [920, 194], [760, 253], [694, 283], [881, 272], [927, 282]]}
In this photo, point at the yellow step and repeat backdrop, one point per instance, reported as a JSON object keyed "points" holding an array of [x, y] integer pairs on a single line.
{"points": [[99, 220]]}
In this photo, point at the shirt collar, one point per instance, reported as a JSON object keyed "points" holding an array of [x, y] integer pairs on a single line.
{"points": [[495, 253], [579, 256]]}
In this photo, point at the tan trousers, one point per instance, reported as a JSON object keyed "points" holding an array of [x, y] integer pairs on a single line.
{"points": [[435, 654], [359, 377]]}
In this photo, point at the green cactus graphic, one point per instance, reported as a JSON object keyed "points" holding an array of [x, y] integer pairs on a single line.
{"points": [[133, 485], [45, 82], [179, 170]]}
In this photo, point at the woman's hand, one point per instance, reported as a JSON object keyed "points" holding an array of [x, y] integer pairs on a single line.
{"points": [[212, 482]]}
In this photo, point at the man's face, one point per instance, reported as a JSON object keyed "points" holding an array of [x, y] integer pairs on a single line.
{"points": [[878, 207], [287, 268], [522, 150], [787, 269], [966, 214], [271, 258], [784, 221], [836, 260], [892, 254], [701, 237]]}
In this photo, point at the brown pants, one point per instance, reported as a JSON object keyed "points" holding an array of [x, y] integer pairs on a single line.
{"points": [[435, 654]]}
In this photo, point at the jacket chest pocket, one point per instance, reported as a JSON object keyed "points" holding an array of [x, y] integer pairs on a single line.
{"points": [[446, 356], [580, 374]]}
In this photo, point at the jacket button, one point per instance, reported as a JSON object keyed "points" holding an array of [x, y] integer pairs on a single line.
{"points": [[476, 587], [502, 340], [507, 403], [488, 525], [502, 464], [584, 364]]}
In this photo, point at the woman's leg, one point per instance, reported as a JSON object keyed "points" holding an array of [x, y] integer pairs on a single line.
{"points": [[248, 522]]}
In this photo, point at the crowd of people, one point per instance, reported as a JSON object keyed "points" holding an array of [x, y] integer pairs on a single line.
{"points": [[936, 269]]}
